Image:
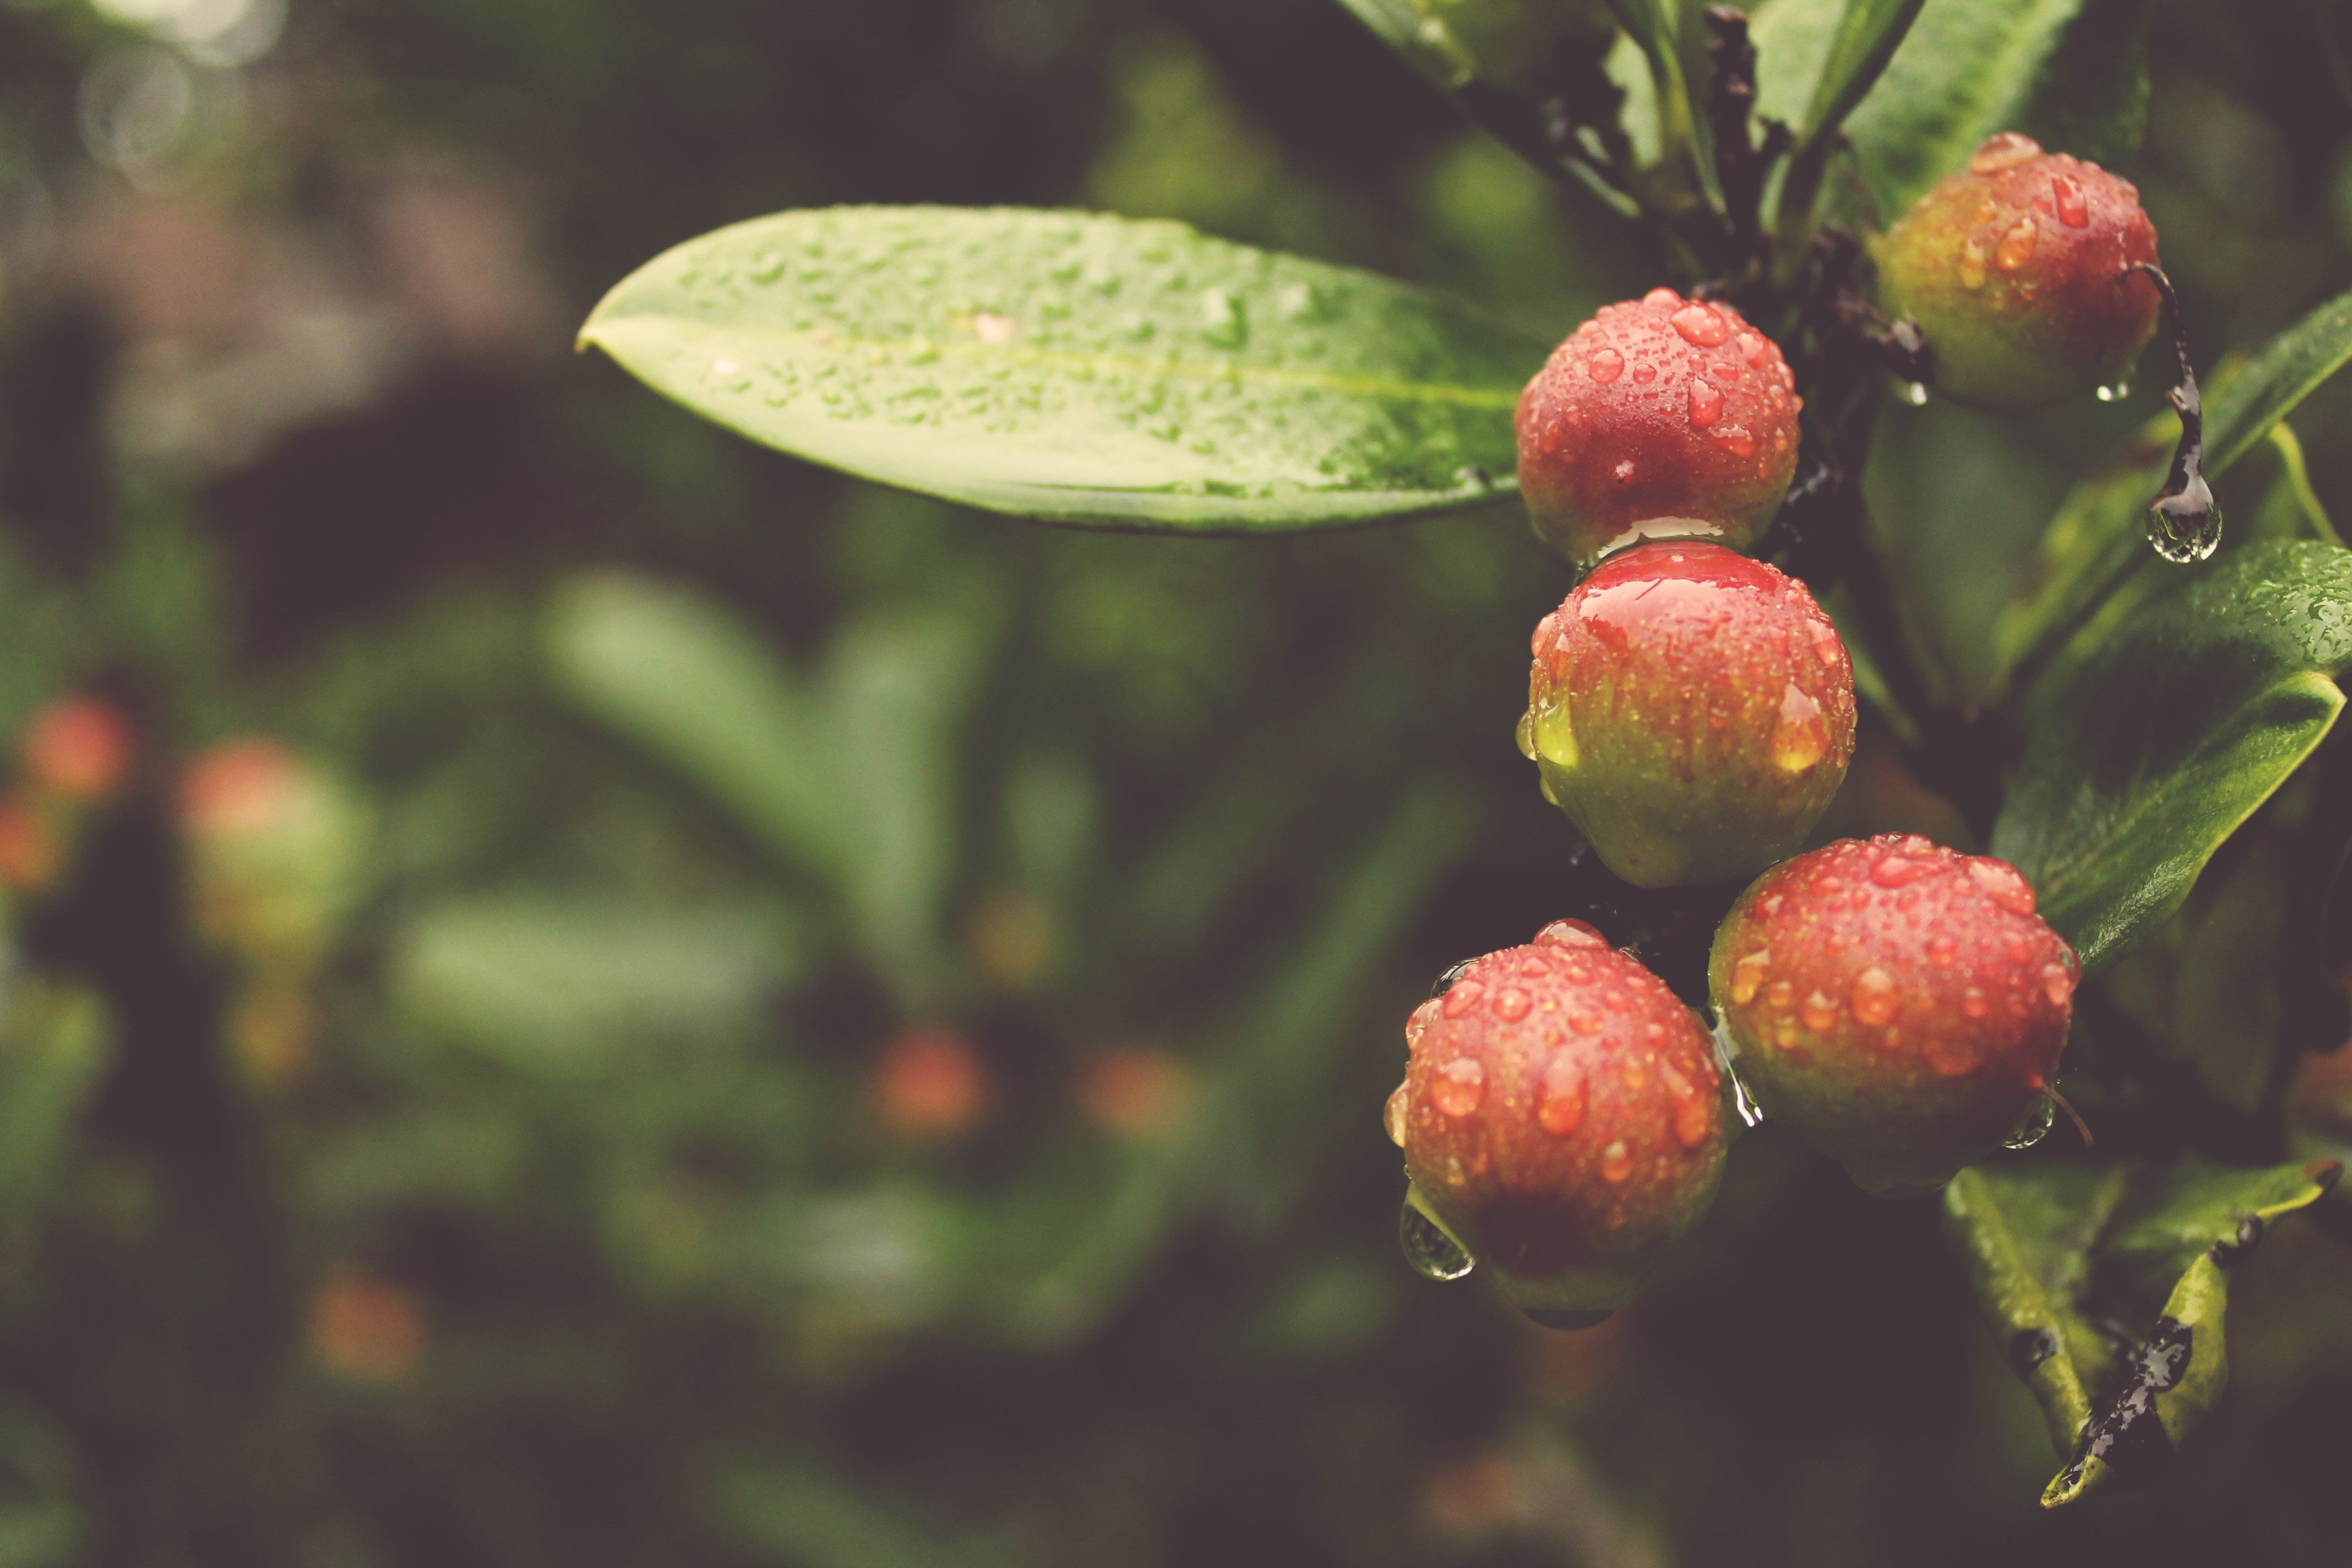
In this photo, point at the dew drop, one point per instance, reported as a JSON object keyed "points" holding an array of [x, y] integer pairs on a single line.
{"points": [[1736, 440], [2073, 210], [1433, 1253], [1748, 976], [1462, 997], [2058, 983], [1571, 933], [2035, 1125], [1526, 735], [1616, 1163], [1974, 1004], [1605, 366], [2017, 247], [2003, 883], [1873, 997], [2002, 150], [1706, 404], [1394, 1117], [1644, 374], [1702, 325], [1800, 738], [1941, 950], [2115, 391], [1623, 472], [1899, 871], [1459, 1087], [1511, 1004], [1753, 349], [1972, 262], [1660, 297], [1779, 994], [1584, 1021], [1914, 393], [1560, 1097], [1820, 1012], [1418, 1025], [1633, 1072], [995, 330]]}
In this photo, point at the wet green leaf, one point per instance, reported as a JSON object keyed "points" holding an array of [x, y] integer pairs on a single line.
{"points": [[55, 1045], [2171, 734], [1079, 368], [2106, 1286], [2098, 537], [1964, 69]]}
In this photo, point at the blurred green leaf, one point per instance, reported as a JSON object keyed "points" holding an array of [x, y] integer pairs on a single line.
{"points": [[691, 684], [54, 1048], [1079, 368], [1863, 42], [1655, 26], [814, 1521], [2106, 1287], [2099, 536], [2171, 733], [560, 984]]}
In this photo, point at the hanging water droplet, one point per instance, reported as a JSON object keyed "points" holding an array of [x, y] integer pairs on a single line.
{"points": [[1801, 737], [2115, 391], [1394, 1116], [1605, 366], [1433, 1253], [1914, 393], [1743, 1103], [2186, 528], [2034, 1126]]}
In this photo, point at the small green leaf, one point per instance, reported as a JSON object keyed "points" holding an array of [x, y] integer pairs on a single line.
{"points": [[2106, 1286], [1962, 71], [55, 1047], [1655, 26], [2171, 733], [1867, 34], [1080, 368], [2098, 536]]}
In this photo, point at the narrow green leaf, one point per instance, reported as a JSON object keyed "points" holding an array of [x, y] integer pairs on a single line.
{"points": [[2105, 1286], [1866, 36], [2171, 734], [2098, 536], [55, 1047], [1080, 368], [1655, 26]]}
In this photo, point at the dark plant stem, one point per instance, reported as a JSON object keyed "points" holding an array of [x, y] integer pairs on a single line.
{"points": [[1742, 162], [2184, 522]]}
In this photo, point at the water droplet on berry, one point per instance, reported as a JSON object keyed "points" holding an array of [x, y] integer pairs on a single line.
{"points": [[1753, 349], [1394, 1116], [1644, 374], [1633, 1073], [1462, 997], [2073, 210], [1571, 933], [1623, 472], [1820, 1012], [2017, 247], [1662, 296], [1584, 1021], [1972, 262], [1417, 1026], [2002, 150], [1748, 976], [1606, 366], [1702, 325], [2003, 883], [1511, 1004], [1706, 404], [1459, 1087], [1900, 871], [1525, 734], [1616, 1163], [1873, 996], [1800, 737], [1941, 950], [2058, 983], [1433, 1253], [2034, 1126], [1736, 440], [1974, 1003], [1560, 1097], [1779, 994]]}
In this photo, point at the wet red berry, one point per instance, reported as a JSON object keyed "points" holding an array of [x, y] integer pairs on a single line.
{"points": [[2017, 270], [1897, 1005], [78, 749], [1692, 709], [1561, 1118], [1661, 417]]}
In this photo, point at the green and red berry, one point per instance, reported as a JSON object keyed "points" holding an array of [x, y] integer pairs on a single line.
{"points": [[2020, 271], [1692, 709], [1660, 418], [1898, 1005], [1561, 1118]]}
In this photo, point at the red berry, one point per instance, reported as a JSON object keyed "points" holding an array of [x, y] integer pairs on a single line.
{"points": [[1897, 1004], [931, 1084], [1692, 709], [1561, 1118], [78, 749], [1661, 417], [2017, 269]]}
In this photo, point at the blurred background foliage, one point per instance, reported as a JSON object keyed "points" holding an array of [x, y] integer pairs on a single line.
{"points": [[577, 992]]}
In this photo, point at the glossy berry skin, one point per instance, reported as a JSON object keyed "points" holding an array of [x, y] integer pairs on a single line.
{"points": [[1692, 709], [2015, 269], [1661, 417], [1561, 1117], [1897, 1005]]}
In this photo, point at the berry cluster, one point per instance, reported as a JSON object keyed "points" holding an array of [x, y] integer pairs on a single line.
{"points": [[1896, 1005]]}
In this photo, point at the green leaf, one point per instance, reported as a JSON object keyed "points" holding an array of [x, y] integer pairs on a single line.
{"points": [[55, 1047], [2106, 1287], [2099, 535], [1962, 71], [1655, 26], [1865, 39], [2171, 733], [1080, 368]]}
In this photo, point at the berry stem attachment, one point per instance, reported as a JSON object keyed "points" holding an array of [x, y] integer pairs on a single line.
{"points": [[2184, 522], [1742, 162]]}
